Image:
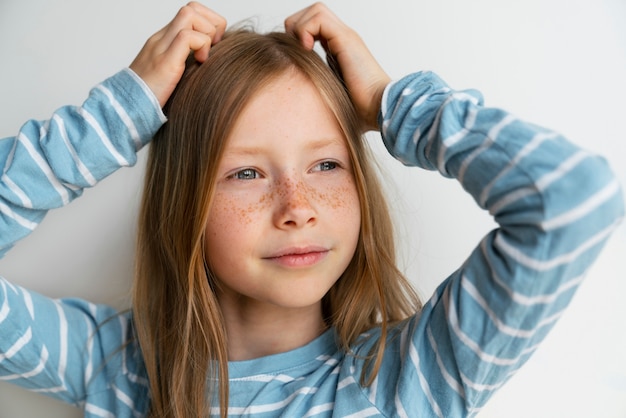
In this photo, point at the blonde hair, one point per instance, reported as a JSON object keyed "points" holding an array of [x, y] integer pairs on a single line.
{"points": [[175, 310]]}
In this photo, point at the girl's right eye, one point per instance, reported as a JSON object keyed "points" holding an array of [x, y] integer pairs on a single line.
{"points": [[245, 174]]}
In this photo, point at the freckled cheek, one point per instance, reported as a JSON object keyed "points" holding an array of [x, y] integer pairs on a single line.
{"points": [[343, 201], [234, 213]]}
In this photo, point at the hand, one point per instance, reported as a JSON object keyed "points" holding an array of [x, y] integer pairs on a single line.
{"points": [[161, 61], [362, 74]]}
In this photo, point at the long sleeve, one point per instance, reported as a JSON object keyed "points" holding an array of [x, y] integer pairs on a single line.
{"points": [[48, 163], [71, 349], [555, 205]]}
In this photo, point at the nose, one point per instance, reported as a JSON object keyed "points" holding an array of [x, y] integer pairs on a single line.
{"points": [[294, 204]]}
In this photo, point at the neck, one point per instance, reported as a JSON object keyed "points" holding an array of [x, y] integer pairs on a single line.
{"points": [[255, 329]]}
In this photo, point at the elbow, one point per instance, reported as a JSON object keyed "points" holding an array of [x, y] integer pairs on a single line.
{"points": [[590, 195], [605, 190]]}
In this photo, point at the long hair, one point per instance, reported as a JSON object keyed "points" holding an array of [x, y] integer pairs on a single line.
{"points": [[176, 314]]}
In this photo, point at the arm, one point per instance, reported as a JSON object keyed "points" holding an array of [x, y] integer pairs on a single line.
{"points": [[555, 205], [60, 347], [48, 164]]}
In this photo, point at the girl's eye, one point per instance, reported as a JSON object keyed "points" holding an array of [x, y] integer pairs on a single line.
{"points": [[326, 166], [246, 174]]}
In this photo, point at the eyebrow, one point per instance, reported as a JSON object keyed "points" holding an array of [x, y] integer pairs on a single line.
{"points": [[310, 146]]}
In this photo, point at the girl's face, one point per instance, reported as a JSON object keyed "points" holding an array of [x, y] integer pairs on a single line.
{"points": [[285, 219]]}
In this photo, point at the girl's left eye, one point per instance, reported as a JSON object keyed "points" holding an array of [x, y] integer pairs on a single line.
{"points": [[326, 166]]}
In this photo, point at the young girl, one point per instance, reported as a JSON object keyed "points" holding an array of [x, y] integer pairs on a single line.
{"points": [[266, 283]]}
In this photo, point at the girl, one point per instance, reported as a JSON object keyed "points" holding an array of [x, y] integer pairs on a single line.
{"points": [[266, 281]]}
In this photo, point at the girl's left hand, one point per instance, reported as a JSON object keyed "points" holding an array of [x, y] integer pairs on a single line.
{"points": [[362, 74]]}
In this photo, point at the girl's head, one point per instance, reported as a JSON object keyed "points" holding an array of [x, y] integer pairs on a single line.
{"points": [[261, 169]]}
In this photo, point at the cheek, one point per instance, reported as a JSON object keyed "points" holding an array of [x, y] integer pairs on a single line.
{"points": [[233, 213], [342, 204], [222, 216], [342, 199], [233, 224]]}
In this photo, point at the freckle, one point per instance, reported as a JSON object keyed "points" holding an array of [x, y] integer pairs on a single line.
{"points": [[244, 218]]}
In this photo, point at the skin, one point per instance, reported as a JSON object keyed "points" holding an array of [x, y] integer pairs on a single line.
{"points": [[286, 219]]}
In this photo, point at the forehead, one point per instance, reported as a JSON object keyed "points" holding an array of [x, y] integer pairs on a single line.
{"points": [[288, 108]]}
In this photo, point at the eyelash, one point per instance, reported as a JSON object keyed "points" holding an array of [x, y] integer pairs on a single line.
{"points": [[246, 173]]}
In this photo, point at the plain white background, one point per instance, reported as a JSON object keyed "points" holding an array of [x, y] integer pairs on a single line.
{"points": [[561, 64]]}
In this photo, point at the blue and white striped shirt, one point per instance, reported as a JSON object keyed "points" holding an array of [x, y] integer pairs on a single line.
{"points": [[555, 204]]}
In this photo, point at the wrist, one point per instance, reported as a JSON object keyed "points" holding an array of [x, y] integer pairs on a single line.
{"points": [[372, 120]]}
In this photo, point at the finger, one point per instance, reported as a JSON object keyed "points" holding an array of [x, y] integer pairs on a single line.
{"points": [[194, 17], [218, 22], [291, 21], [185, 41], [316, 23], [296, 25]]}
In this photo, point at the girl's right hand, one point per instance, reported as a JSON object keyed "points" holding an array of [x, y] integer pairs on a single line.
{"points": [[361, 73], [161, 61]]}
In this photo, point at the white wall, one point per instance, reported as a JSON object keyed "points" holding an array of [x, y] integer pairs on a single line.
{"points": [[561, 64]]}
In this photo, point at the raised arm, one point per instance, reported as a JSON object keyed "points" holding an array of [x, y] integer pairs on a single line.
{"points": [[555, 204], [71, 349], [48, 163]]}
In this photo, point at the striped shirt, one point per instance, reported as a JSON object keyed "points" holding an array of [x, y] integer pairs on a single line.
{"points": [[555, 205]]}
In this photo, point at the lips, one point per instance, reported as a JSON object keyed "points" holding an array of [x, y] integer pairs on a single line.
{"points": [[299, 256]]}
